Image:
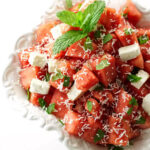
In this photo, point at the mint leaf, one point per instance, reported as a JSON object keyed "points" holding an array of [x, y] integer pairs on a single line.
{"points": [[88, 44], [69, 3], [99, 135], [67, 40], [47, 77], [103, 64], [143, 39], [107, 38], [89, 106], [51, 108], [133, 78], [42, 102], [70, 18], [142, 120], [57, 76], [61, 122], [28, 94], [66, 81], [133, 102], [129, 112], [91, 15], [128, 31]]}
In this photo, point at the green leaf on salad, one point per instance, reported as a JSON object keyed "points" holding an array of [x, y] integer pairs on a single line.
{"points": [[28, 94], [129, 112], [67, 40], [69, 4], [88, 44], [99, 135], [107, 38], [42, 102], [66, 81], [133, 78], [142, 120], [133, 102], [61, 122], [89, 106], [57, 76], [128, 31], [51, 108], [47, 77], [143, 39], [103, 64]]}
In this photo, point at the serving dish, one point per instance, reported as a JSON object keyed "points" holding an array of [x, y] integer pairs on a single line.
{"points": [[17, 96]]}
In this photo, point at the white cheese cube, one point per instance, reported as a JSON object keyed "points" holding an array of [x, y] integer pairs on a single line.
{"points": [[37, 59], [129, 52], [144, 75], [146, 104], [40, 87], [74, 93], [53, 65], [59, 30]]}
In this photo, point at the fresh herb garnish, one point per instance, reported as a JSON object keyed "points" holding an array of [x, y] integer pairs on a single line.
{"points": [[89, 106], [129, 112], [133, 78], [57, 76], [42, 103], [113, 147], [69, 4], [79, 6], [86, 20], [143, 39], [99, 87], [142, 120], [61, 122], [103, 64], [88, 44], [133, 102], [107, 38], [97, 34], [99, 135], [47, 77], [28, 94], [51, 108], [128, 31], [66, 81]]}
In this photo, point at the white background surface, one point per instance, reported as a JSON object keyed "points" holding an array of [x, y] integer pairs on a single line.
{"points": [[18, 17]]}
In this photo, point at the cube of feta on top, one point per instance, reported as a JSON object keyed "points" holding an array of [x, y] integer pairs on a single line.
{"points": [[129, 52], [37, 60], [144, 77], [146, 104], [53, 65], [40, 87], [74, 93], [59, 30]]}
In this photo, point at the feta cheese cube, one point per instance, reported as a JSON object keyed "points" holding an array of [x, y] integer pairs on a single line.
{"points": [[74, 93], [59, 30], [40, 87], [37, 59], [129, 52], [146, 104], [53, 65], [144, 75]]}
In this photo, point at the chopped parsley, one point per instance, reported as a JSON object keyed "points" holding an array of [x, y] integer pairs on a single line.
{"points": [[57, 76], [128, 31], [88, 44], [133, 78], [47, 77], [28, 94], [89, 106], [143, 39], [66, 81], [133, 102], [129, 112], [99, 135], [61, 122], [51, 108], [107, 38], [99, 87], [142, 120], [42, 103], [103, 64]]}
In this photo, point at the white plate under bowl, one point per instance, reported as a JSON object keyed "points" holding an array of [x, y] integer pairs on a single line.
{"points": [[17, 96]]}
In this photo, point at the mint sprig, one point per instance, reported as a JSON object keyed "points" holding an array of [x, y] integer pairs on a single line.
{"points": [[86, 21], [69, 3]]}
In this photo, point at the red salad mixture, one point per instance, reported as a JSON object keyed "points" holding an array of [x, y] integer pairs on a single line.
{"points": [[90, 68]]}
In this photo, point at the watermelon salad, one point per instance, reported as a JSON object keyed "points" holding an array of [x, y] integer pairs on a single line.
{"points": [[91, 69]]}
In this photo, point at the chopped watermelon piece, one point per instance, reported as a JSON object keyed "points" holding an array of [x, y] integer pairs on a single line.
{"points": [[145, 49], [110, 19], [62, 104], [83, 74], [27, 75], [131, 13]]}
